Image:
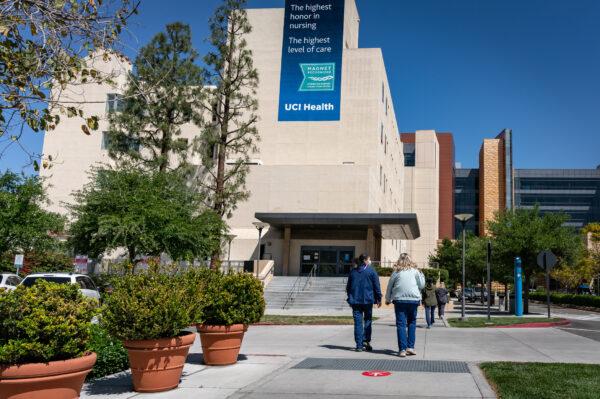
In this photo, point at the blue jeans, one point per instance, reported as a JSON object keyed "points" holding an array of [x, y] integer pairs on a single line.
{"points": [[363, 318], [406, 316], [430, 315], [441, 310]]}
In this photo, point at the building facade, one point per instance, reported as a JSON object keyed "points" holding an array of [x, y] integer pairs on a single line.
{"points": [[327, 190]]}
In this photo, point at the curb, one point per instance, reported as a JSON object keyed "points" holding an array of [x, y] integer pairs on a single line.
{"points": [[487, 392], [562, 323]]}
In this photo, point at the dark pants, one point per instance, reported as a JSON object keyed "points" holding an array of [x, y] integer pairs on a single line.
{"points": [[406, 316], [363, 317], [441, 310], [430, 315]]}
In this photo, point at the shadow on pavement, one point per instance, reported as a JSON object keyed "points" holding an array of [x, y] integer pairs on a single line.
{"points": [[349, 348], [114, 384], [197, 358]]}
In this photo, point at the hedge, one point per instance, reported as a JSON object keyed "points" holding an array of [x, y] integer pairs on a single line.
{"points": [[567, 299]]}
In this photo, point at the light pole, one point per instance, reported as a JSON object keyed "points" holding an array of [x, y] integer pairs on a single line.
{"points": [[463, 218], [230, 237], [259, 226]]}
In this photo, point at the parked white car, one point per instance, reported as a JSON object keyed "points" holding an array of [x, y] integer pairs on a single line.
{"points": [[85, 284], [9, 281]]}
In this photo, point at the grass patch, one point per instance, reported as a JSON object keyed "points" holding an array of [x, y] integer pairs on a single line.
{"points": [[308, 320], [543, 380], [474, 322]]}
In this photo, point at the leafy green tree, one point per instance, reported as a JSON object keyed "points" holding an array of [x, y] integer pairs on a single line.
{"points": [[43, 46], [526, 232], [148, 213], [448, 256], [231, 133], [163, 93], [24, 225]]}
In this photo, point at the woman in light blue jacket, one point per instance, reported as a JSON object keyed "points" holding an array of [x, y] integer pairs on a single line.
{"points": [[404, 291]]}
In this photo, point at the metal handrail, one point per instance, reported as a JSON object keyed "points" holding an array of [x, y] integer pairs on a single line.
{"points": [[298, 287]]}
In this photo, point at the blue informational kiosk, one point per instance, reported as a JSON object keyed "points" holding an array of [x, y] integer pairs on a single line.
{"points": [[518, 287]]}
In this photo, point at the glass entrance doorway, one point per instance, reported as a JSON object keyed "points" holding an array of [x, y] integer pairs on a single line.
{"points": [[330, 261]]}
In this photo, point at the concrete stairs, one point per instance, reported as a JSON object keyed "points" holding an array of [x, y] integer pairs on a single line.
{"points": [[327, 293]]}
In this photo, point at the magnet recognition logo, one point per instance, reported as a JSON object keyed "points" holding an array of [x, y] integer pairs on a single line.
{"points": [[318, 77]]}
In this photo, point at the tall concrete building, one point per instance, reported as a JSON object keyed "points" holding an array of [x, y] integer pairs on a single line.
{"points": [[330, 185]]}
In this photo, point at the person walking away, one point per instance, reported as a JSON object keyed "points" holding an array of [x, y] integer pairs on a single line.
{"points": [[442, 298], [404, 291], [363, 291], [429, 302]]}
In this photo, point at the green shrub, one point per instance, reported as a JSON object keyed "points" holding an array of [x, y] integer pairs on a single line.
{"points": [[235, 298], [43, 323], [384, 271], [567, 299], [112, 356], [49, 262], [151, 305]]}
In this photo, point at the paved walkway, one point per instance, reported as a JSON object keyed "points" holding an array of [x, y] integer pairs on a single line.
{"points": [[316, 361]]}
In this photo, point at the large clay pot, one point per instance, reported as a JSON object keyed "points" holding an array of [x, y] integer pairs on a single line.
{"points": [[221, 344], [156, 364], [61, 379]]}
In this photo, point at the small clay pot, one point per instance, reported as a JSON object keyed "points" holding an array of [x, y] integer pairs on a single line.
{"points": [[60, 379], [157, 364], [221, 344]]}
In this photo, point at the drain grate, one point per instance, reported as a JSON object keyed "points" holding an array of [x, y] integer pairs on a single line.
{"points": [[424, 366]]}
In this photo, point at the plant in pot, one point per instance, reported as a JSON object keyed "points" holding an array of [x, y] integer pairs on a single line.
{"points": [[44, 341], [149, 312], [231, 303]]}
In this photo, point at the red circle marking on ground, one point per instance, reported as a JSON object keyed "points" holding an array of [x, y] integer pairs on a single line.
{"points": [[376, 373]]}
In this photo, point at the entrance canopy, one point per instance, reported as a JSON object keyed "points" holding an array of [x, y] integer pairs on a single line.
{"points": [[391, 226]]}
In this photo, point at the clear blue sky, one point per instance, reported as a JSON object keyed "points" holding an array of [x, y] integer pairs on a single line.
{"points": [[471, 67]]}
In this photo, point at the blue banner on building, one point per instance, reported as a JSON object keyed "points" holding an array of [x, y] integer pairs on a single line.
{"points": [[311, 63]]}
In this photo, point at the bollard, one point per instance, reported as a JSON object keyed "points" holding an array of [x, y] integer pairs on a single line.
{"points": [[518, 288]]}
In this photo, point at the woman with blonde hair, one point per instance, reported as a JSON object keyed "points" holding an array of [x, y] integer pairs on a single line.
{"points": [[404, 291]]}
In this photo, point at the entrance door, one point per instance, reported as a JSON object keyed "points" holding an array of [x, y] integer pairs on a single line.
{"points": [[329, 261]]}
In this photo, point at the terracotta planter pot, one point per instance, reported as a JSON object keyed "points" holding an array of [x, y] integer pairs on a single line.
{"points": [[221, 344], [156, 364], [61, 379]]}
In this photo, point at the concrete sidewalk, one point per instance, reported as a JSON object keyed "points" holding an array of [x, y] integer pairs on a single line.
{"points": [[298, 361]]}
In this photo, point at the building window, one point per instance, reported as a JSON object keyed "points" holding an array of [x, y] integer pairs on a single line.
{"points": [[409, 154], [386, 106], [384, 183], [385, 146], [114, 102], [380, 175], [382, 92], [381, 134]]}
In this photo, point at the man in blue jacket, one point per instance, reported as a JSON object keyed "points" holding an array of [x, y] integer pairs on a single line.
{"points": [[363, 291]]}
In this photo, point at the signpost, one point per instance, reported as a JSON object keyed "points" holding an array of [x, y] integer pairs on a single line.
{"points": [[547, 260], [18, 262], [489, 281]]}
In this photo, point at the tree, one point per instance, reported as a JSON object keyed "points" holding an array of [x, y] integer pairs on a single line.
{"points": [[24, 225], [526, 232], [43, 45], [148, 213], [231, 132], [449, 256], [163, 93], [570, 276]]}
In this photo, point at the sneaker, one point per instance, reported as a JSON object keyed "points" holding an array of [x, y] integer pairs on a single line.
{"points": [[402, 354], [359, 350], [368, 347], [428, 327], [411, 352]]}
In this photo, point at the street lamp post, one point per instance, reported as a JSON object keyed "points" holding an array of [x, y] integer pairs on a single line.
{"points": [[463, 218], [230, 237], [259, 226]]}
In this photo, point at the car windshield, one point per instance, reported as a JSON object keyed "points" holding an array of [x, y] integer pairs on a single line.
{"points": [[29, 281]]}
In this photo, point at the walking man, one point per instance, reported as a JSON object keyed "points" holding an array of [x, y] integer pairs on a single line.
{"points": [[363, 291]]}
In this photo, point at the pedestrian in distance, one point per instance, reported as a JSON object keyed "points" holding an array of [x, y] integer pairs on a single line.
{"points": [[441, 293], [430, 302], [363, 291], [404, 291]]}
